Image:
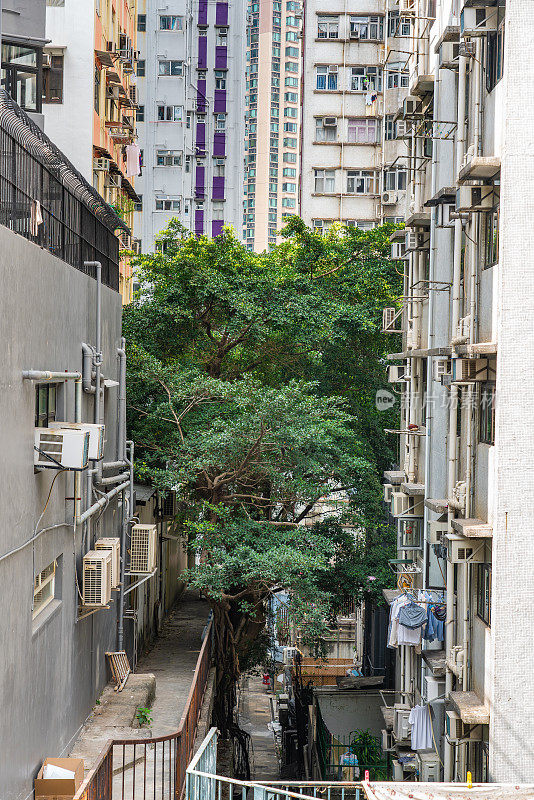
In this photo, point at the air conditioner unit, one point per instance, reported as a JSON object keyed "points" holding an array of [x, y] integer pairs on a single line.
{"points": [[444, 215], [101, 164], [96, 436], [96, 587], [436, 530], [428, 767], [464, 327], [398, 251], [61, 448], [397, 373], [434, 688], [407, 6], [329, 122], [387, 741], [289, 654], [398, 770], [475, 198], [463, 370], [388, 489], [136, 246], [412, 107], [112, 92], [448, 56], [389, 198], [453, 726], [478, 21], [465, 551], [400, 503], [402, 129], [354, 34], [467, 49], [401, 726], [416, 241], [134, 95], [113, 544], [440, 367], [168, 505], [333, 68], [143, 543], [113, 181]]}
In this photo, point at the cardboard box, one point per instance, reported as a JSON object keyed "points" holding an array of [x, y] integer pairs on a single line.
{"points": [[54, 789]]}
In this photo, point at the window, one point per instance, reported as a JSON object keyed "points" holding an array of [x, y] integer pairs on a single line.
{"points": [[168, 158], [188, 163], [289, 202], [141, 68], [292, 22], [221, 37], [290, 111], [292, 6], [490, 232], [487, 413], [97, 90], [289, 81], [53, 80], [495, 51], [290, 158], [328, 132], [367, 28], [220, 122], [397, 25], [397, 77], [138, 204], [291, 66], [170, 22], [289, 172], [327, 27], [292, 52], [484, 592], [290, 127], [291, 97], [289, 142], [45, 404], [21, 75], [275, 127], [289, 187], [326, 78], [362, 131], [366, 79], [276, 51], [321, 225], [291, 36], [169, 113], [171, 68], [390, 127], [44, 589], [361, 181], [218, 171], [141, 23], [324, 181], [140, 114], [394, 179], [167, 204], [220, 79]]}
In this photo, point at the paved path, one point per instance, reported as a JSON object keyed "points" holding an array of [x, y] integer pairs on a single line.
{"points": [[254, 717]]}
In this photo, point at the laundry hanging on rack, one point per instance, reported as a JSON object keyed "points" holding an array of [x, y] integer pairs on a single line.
{"points": [[434, 629], [400, 634], [421, 724], [412, 617]]}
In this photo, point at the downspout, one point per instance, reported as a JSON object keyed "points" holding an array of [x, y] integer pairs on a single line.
{"points": [[98, 344], [87, 369], [125, 522], [121, 415]]}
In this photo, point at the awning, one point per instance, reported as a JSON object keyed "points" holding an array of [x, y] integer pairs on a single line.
{"points": [[104, 57], [143, 493], [446, 791]]}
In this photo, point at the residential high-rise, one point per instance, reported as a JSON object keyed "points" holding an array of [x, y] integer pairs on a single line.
{"points": [[273, 114], [191, 81], [89, 100], [461, 495], [353, 165]]}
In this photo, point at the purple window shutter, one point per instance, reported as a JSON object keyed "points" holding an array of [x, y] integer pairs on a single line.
{"points": [[201, 138], [199, 223], [221, 14], [218, 188], [202, 52], [216, 227], [219, 144], [202, 12], [221, 57], [219, 105], [199, 182], [201, 96]]}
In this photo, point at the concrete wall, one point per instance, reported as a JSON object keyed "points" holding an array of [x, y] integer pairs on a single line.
{"points": [[23, 18], [347, 711], [54, 668]]}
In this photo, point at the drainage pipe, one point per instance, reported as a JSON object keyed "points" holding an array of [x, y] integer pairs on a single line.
{"points": [[125, 523], [45, 375], [106, 465], [98, 337], [121, 411], [87, 369], [113, 479], [101, 502]]}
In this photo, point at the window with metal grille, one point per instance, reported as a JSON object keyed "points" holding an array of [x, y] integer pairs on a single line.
{"points": [[45, 404], [43, 589]]}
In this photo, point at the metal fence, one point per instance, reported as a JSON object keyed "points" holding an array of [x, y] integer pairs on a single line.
{"points": [[152, 768], [46, 200]]}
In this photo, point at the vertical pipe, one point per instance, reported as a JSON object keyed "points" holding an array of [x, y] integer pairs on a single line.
{"points": [[121, 409], [77, 475], [125, 523], [447, 767]]}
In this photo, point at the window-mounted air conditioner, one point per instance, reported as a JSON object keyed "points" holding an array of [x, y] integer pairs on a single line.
{"points": [[113, 181], [440, 367], [143, 543], [463, 329], [387, 741], [136, 246], [436, 530], [467, 49], [96, 591], [101, 164], [389, 317], [354, 33], [444, 212], [388, 489], [329, 122], [397, 373], [113, 544], [401, 727], [434, 688], [416, 241], [400, 503], [478, 21], [453, 726], [168, 505], [448, 56], [466, 370], [475, 198], [61, 448], [402, 129], [96, 436], [389, 198], [428, 767], [412, 107], [333, 68], [407, 6], [465, 551]]}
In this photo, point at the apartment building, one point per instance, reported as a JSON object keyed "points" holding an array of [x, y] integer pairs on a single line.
{"points": [[353, 165], [89, 101], [191, 81], [273, 119], [461, 495]]}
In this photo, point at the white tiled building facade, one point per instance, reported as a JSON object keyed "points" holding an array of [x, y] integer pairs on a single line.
{"points": [[462, 491], [355, 70]]}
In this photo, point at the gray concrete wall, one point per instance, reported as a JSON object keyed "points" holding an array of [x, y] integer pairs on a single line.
{"points": [[54, 668], [24, 18], [346, 711]]}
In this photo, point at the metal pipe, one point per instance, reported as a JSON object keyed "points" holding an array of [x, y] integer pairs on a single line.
{"points": [[45, 375], [113, 479], [87, 369], [101, 502], [121, 415], [113, 464], [465, 642], [77, 475], [98, 334], [125, 523], [447, 756]]}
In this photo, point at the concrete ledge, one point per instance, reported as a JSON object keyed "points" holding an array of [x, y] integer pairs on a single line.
{"points": [[413, 489], [394, 477], [470, 708], [437, 506], [472, 528]]}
